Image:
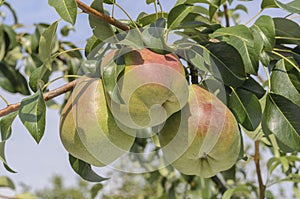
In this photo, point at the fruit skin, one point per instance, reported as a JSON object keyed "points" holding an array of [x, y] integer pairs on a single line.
{"points": [[203, 138], [152, 87], [88, 130]]}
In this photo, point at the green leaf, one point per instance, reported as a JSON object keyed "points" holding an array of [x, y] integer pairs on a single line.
{"points": [[2, 157], [146, 19], [246, 108], [177, 14], [110, 74], [66, 30], [292, 7], [150, 1], [92, 43], [254, 87], [241, 7], [6, 182], [67, 9], [47, 41], [241, 38], [287, 31], [272, 164], [133, 39], [13, 56], [154, 37], [38, 78], [5, 125], [95, 190], [263, 31], [101, 29], [268, 4], [84, 170], [12, 80], [281, 117], [2, 43], [281, 82], [197, 56], [33, 115], [293, 177], [12, 37], [241, 189], [226, 64], [12, 11]]}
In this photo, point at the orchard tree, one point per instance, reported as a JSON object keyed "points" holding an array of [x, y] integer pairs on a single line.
{"points": [[172, 96]]}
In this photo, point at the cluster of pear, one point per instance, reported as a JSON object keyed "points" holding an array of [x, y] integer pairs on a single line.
{"points": [[198, 134]]}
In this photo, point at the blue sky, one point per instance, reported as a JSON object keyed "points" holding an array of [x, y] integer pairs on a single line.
{"points": [[34, 163]]}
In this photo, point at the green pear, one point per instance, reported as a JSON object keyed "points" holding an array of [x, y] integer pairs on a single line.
{"points": [[203, 138], [152, 87], [88, 130]]}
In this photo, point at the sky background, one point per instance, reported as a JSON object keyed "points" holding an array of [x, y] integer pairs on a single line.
{"points": [[37, 163]]}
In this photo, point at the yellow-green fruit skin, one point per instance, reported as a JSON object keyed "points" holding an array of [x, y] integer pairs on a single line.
{"points": [[88, 130], [152, 87], [203, 138]]}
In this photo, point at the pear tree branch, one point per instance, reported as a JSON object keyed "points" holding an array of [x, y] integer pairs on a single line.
{"points": [[47, 96], [262, 187], [91, 11], [67, 87]]}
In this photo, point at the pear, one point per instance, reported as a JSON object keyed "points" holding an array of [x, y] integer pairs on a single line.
{"points": [[88, 130], [203, 138], [152, 87]]}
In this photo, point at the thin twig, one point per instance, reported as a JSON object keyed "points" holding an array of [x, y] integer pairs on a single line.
{"points": [[47, 96], [226, 15], [91, 11], [261, 185]]}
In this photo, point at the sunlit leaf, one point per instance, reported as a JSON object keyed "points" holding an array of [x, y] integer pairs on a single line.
{"points": [[264, 32], [177, 14], [33, 115], [6, 182], [154, 37], [133, 39], [293, 6], [268, 4], [67, 9], [281, 82], [5, 125], [47, 43], [101, 29], [146, 19]]}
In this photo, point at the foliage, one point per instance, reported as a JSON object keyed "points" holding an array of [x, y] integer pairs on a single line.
{"points": [[254, 68]]}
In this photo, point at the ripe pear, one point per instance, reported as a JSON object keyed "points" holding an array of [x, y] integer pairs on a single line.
{"points": [[203, 138], [88, 130], [152, 87]]}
